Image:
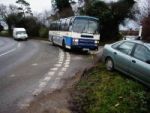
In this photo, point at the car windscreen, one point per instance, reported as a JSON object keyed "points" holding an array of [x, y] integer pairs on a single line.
{"points": [[21, 32], [148, 46], [82, 25]]}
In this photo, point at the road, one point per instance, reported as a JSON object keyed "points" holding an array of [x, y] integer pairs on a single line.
{"points": [[28, 68]]}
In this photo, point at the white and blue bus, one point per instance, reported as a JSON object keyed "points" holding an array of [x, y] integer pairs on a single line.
{"points": [[75, 32]]}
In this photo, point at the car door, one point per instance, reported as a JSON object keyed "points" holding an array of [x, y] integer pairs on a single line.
{"points": [[122, 56], [139, 66]]}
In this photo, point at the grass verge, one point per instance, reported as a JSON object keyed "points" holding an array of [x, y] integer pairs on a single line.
{"points": [[100, 91], [4, 34]]}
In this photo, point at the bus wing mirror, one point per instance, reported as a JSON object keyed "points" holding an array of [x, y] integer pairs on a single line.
{"points": [[71, 24], [70, 28], [148, 61]]}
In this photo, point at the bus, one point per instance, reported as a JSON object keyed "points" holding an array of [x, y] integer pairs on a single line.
{"points": [[80, 32]]}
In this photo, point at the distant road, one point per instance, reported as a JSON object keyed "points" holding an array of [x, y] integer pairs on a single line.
{"points": [[28, 68]]}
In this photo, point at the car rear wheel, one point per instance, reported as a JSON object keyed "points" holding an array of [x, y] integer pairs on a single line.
{"points": [[109, 64]]}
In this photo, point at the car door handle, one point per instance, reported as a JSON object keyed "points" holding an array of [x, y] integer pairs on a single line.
{"points": [[115, 53], [133, 61]]}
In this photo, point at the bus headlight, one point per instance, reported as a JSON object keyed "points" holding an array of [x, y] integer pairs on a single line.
{"points": [[96, 42], [75, 41]]}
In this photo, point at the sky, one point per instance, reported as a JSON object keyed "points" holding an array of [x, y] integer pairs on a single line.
{"points": [[41, 5], [36, 5]]}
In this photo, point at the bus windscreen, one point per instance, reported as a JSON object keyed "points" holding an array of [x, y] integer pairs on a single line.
{"points": [[85, 26]]}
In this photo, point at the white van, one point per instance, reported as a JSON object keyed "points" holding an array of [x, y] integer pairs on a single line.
{"points": [[20, 33]]}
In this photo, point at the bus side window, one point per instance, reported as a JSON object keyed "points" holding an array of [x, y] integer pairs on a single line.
{"points": [[52, 26], [58, 25], [71, 23], [63, 24], [67, 24]]}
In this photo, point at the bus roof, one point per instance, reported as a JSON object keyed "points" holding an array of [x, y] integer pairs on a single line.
{"points": [[87, 17]]}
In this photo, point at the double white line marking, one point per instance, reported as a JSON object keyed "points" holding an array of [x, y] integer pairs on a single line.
{"points": [[52, 72], [48, 76]]}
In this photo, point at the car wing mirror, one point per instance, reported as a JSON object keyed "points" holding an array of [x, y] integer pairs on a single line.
{"points": [[148, 61]]}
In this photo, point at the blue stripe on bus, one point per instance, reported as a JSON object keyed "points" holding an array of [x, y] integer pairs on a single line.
{"points": [[68, 40]]}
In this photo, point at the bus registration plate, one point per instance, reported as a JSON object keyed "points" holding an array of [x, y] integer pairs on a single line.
{"points": [[85, 49]]}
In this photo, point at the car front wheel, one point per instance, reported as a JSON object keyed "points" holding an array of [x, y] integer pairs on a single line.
{"points": [[109, 64]]}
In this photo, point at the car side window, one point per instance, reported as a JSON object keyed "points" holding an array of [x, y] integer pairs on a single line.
{"points": [[126, 47], [116, 45], [141, 53]]}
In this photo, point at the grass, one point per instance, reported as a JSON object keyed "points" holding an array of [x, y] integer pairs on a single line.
{"points": [[4, 33], [100, 91]]}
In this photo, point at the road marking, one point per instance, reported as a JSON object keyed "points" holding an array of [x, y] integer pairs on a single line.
{"points": [[56, 82], [42, 84], [68, 60], [19, 45], [54, 69], [10, 51], [64, 69], [35, 64], [60, 73], [51, 73], [25, 103], [57, 78], [37, 91], [66, 63], [58, 65], [47, 78], [66, 66], [60, 62], [12, 75]]}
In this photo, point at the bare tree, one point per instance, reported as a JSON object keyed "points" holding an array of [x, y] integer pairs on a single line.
{"points": [[13, 9], [141, 9], [3, 11], [43, 17], [146, 8], [6, 10], [146, 21], [24, 7]]}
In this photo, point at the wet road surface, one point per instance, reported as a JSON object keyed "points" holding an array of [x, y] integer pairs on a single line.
{"points": [[28, 68]]}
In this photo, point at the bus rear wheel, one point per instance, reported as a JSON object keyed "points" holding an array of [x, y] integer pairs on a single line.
{"points": [[64, 45], [52, 41]]}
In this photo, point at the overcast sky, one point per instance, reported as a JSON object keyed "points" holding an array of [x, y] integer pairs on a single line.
{"points": [[41, 5], [36, 5]]}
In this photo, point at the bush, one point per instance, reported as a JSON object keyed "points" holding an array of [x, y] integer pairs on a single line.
{"points": [[31, 25], [1, 28], [43, 32], [4, 33]]}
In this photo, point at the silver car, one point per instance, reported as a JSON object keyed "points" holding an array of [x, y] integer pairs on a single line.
{"points": [[131, 57]]}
